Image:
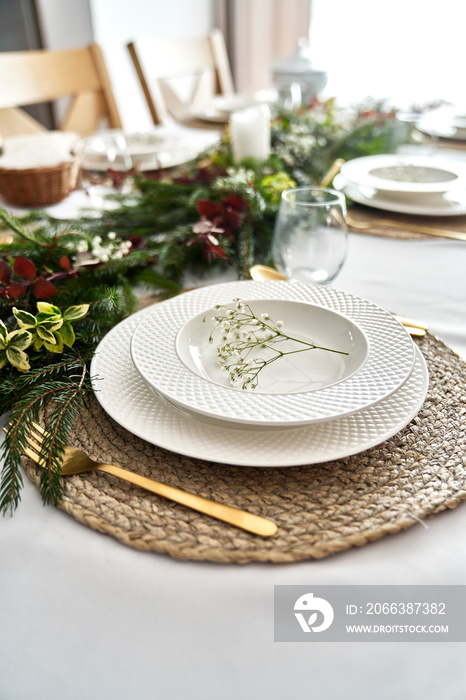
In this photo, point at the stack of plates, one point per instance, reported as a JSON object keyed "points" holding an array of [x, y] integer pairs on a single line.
{"points": [[155, 374], [407, 184], [141, 150], [445, 123]]}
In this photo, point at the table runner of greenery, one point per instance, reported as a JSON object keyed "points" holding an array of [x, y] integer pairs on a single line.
{"points": [[64, 284]]}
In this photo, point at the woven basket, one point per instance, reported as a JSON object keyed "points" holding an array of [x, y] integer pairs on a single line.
{"points": [[39, 187]]}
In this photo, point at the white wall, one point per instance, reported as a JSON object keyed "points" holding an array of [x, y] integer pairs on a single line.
{"points": [[64, 24], [116, 22]]}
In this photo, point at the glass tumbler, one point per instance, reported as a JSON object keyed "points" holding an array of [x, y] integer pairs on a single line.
{"points": [[105, 163], [310, 236]]}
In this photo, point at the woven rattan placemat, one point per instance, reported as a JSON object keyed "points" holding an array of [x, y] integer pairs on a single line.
{"points": [[319, 510]]}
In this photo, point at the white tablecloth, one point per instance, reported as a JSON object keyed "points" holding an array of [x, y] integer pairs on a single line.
{"points": [[83, 616]]}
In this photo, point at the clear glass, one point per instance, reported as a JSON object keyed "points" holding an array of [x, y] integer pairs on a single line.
{"points": [[289, 95], [310, 236], [105, 163]]}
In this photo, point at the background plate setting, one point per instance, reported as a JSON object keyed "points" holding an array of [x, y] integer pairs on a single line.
{"points": [[451, 203], [389, 362], [405, 174], [126, 397]]}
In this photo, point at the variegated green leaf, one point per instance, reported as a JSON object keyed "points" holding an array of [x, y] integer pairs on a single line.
{"points": [[25, 319], [45, 307], [19, 339], [75, 312], [67, 333], [3, 330], [3, 359], [57, 346], [50, 321], [38, 343], [18, 359], [46, 335]]}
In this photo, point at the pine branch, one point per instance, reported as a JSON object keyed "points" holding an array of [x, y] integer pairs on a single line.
{"points": [[67, 393], [13, 389], [246, 250]]}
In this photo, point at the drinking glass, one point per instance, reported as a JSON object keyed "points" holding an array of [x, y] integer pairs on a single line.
{"points": [[105, 163], [289, 95], [310, 236]]}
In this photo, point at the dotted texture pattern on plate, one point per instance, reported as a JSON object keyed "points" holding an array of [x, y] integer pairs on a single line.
{"points": [[127, 398], [320, 509], [389, 363]]}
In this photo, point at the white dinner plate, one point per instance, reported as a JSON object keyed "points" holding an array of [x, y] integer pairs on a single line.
{"points": [[128, 400], [388, 360], [448, 204], [405, 174], [145, 150], [443, 124]]}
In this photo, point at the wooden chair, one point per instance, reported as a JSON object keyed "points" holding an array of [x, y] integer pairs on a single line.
{"points": [[33, 77], [161, 63]]}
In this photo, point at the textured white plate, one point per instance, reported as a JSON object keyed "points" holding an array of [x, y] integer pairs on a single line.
{"points": [[388, 364], [125, 396], [404, 174], [449, 204], [307, 370]]}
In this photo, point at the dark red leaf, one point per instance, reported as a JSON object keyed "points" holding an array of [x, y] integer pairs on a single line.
{"points": [[232, 218], [2, 293], [207, 208], [17, 289], [43, 289], [65, 263], [24, 267], [5, 272], [236, 202], [137, 242]]}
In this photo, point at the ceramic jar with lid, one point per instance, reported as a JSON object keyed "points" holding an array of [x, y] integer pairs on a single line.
{"points": [[297, 70]]}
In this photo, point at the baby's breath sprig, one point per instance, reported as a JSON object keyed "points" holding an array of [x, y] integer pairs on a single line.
{"points": [[241, 332]]}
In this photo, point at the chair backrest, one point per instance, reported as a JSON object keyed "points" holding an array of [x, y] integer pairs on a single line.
{"points": [[162, 63], [33, 77]]}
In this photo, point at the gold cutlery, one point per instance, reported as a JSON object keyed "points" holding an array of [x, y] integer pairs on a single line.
{"points": [[76, 461], [261, 273], [413, 228], [332, 172], [390, 223]]}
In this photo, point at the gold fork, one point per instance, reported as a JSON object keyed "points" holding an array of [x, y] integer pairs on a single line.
{"points": [[76, 461]]}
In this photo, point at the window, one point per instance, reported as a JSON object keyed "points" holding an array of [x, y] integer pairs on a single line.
{"points": [[408, 51]]}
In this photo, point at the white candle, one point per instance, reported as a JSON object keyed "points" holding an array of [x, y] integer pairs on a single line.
{"points": [[250, 133]]}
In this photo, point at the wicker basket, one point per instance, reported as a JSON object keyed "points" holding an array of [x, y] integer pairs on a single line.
{"points": [[39, 187]]}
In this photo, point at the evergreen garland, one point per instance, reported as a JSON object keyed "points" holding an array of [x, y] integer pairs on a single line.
{"points": [[212, 213]]}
